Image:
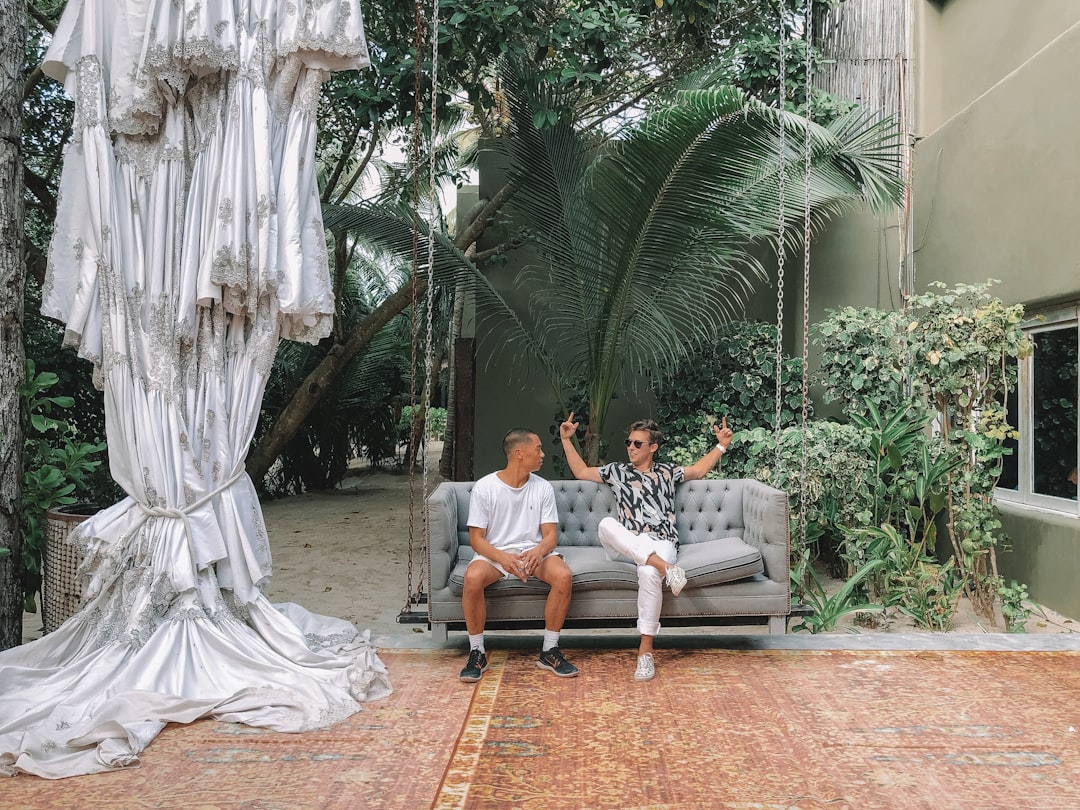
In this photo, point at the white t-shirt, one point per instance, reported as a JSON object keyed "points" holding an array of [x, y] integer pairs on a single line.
{"points": [[512, 516]]}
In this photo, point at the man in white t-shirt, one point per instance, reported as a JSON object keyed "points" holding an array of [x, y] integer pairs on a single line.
{"points": [[513, 531]]}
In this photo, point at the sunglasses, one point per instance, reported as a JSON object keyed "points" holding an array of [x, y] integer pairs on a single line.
{"points": [[636, 442]]}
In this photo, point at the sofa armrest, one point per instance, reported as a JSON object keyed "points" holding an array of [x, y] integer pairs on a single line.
{"points": [[765, 513], [442, 517]]}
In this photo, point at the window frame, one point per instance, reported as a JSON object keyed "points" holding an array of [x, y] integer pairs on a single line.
{"points": [[1024, 495]]}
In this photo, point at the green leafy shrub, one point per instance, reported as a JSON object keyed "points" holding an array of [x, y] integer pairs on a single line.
{"points": [[434, 426], [829, 609], [961, 341], [863, 360], [735, 378], [836, 463], [1014, 606], [57, 469]]}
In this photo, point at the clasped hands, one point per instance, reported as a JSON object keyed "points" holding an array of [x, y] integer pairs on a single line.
{"points": [[525, 564]]}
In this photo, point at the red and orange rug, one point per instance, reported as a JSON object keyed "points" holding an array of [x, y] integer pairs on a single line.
{"points": [[716, 729]]}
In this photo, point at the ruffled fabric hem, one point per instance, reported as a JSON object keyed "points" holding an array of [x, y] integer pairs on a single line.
{"points": [[97, 709]]}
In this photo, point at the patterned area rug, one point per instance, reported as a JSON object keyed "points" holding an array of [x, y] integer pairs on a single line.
{"points": [[716, 729], [391, 754], [774, 729]]}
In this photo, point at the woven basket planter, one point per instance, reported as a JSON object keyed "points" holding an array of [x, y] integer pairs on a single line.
{"points": [[60, 587]]}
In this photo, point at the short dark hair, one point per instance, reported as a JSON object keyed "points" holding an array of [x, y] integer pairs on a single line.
{"points": [[655, 436], [515, 437]]}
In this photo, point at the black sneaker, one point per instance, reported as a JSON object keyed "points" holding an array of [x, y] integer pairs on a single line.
{"points": [[475, 668], [553, 660]]}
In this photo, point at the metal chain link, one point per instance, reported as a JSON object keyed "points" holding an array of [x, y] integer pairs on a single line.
{"points": [[418, 42], [429, 360], [808, 33], [780, 238]]}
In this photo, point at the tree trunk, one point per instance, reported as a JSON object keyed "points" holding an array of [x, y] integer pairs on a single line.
{"points": [[314, 388], [446, 460], [12, 350]]}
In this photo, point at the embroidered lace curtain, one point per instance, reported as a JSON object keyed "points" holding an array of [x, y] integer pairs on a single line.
{"points": [[188, 241]]}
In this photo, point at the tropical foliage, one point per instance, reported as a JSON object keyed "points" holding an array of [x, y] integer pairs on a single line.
{"points": [[868, 495], [613, 58], [644, 247], [57, 468], [964, 338], [735, 379]]}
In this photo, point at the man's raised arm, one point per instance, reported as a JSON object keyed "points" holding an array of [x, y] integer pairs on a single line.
{"points": [[581, 470]]}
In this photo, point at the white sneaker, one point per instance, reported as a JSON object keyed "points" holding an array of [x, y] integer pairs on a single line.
{"points": [[675, 579], [646, 669]]}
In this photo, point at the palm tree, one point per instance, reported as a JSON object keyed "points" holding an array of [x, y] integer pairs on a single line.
{"points": [[646, 243], [646, 239]]}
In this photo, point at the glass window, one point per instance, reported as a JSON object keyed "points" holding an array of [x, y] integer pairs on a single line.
{"points": [[1053, 395], [1043, 409], [1010, 464]]}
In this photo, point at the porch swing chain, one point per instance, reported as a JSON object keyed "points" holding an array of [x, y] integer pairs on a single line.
{"points": [[780, 237], [436, 216], [808, 33], [414, 594]]}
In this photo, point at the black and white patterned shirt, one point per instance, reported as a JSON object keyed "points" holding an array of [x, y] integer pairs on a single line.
{"points": [[645, 500]]}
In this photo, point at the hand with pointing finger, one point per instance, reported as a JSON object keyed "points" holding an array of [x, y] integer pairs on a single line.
{"points": [[723, 433], [568, 428]]}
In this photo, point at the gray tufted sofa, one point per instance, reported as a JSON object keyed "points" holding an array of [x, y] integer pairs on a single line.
{"points": [[733, 536]]}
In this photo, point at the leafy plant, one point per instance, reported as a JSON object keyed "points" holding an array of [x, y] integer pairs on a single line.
{"points": [[928, 593], [908, 578], [863, 360], [434, 426], [733, 377], [1014, 606], [828, 610], [57, 467], [962, 339], [644, 248], [826, 470]]}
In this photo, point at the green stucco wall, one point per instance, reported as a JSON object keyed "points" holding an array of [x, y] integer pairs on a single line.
{"points": [[995, 173]]}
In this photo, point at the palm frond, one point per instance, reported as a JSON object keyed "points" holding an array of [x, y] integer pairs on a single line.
{"points": [[646, 247]]}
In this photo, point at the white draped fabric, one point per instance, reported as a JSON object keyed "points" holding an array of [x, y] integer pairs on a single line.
{"points": [[188, 241]]}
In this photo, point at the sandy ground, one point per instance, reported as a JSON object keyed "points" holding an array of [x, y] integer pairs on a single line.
{"points": [[347, 553]]}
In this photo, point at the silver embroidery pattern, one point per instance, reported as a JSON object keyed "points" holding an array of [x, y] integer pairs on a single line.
{"points": [[180, 257]]}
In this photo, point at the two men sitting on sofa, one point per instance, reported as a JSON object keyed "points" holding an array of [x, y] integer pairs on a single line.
{"points": [[513, 530]]}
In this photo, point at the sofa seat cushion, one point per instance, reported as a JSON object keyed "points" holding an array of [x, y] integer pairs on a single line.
{"points": [[715, 561], [594, 570], [507, 586], [710, 563]]}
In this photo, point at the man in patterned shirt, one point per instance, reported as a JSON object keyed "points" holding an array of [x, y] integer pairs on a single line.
{"points": [[644, 493]]}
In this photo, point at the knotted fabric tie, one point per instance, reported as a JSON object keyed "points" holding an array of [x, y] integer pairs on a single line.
{"points": [[182, 514]]}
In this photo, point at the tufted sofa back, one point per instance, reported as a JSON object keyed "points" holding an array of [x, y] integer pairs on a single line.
{"points": [[704, 510]]}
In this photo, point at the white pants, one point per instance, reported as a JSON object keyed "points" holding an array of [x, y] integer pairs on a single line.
{"points": [[617, 539]]}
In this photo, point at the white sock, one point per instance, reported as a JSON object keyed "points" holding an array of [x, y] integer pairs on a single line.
{"points": [[477, 642], [551, 639]]}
